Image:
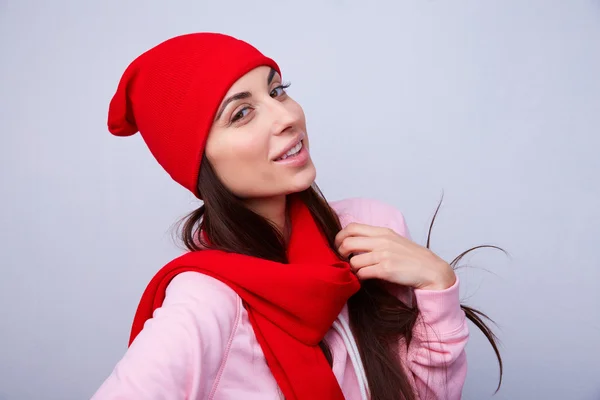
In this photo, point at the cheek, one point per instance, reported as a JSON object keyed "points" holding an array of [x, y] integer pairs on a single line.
{"points": [[234, 146], [246, 150], [236, 158]]}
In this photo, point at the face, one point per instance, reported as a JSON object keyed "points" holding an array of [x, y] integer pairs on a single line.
{"points": [[258, 144]]}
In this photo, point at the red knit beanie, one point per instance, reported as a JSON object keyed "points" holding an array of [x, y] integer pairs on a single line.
{"points": [[170, 94]]}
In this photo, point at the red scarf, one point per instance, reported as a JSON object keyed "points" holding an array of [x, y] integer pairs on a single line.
{"points": [[290, 306]]}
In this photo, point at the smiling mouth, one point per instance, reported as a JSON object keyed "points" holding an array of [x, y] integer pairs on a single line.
{"points": [[293, 152]]}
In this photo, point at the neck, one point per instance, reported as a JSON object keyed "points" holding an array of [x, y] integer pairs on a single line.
{"points": [[272, 209]]}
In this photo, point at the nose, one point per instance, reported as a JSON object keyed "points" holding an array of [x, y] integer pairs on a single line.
{"points": [[283, 117]]}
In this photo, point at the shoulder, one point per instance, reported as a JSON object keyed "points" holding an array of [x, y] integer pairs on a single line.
{"points": [[193, 285], [206, 297], [182, 346], [196, 287], [371, 212]]}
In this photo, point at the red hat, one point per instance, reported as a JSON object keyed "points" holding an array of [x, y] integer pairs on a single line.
{"points": [[170, 94]]}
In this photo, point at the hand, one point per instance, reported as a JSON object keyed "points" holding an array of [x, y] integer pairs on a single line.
{"points": [[380, 253]]}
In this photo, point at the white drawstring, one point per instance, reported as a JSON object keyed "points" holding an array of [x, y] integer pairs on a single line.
{"points": [[342, 327]]}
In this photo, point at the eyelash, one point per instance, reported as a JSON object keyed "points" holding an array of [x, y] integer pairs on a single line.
{"points": [[282, 87], [239, 115]]}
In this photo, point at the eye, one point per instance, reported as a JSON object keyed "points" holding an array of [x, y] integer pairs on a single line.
{"points": [[279, 90], [240, 114]]}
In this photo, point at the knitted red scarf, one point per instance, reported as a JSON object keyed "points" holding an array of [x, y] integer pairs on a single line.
{"points": [[290, 306]]}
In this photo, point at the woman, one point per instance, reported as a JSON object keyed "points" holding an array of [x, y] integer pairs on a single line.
{"points": [[282, 295]]}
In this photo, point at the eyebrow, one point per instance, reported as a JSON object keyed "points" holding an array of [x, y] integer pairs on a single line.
{"points": [[271, 76], [241, 95], [238, 96]]}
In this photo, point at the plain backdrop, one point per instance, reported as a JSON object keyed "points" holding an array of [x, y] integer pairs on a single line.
{"points": [[494, 104]]}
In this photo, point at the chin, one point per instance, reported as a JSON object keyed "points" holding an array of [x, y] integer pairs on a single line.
{"points": [[303, 180]]}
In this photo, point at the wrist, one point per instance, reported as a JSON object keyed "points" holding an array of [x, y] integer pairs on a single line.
{"points": [[442, 281]]}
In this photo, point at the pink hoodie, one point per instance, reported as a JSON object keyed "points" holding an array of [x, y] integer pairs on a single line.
{"points": [[200, 344]]}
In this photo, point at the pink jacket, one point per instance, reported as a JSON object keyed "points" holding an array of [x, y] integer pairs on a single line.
{"points": [[200, 344]]}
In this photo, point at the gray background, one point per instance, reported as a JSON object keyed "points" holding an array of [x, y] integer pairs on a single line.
{"points": [[496, 103]]}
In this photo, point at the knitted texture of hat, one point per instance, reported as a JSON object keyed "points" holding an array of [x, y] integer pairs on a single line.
{"points": [[171, 93]]}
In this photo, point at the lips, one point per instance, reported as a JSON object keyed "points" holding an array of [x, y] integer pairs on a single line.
{"points": [[290, 146], [292, 152]]}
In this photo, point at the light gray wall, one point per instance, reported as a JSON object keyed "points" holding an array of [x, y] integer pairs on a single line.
{"points": [[497, 103]]}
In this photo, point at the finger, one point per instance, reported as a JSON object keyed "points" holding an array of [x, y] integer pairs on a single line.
{"points": [[370, 272], [356, 229], [357, 244], [364, 260]]}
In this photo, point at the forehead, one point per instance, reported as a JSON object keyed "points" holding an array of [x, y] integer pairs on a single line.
{"points": [[256, 78]]}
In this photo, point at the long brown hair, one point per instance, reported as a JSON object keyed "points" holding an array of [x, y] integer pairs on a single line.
{"points": [[378, 319]]}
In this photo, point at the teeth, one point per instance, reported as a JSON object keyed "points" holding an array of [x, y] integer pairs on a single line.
{"points": [[292, 152]]}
